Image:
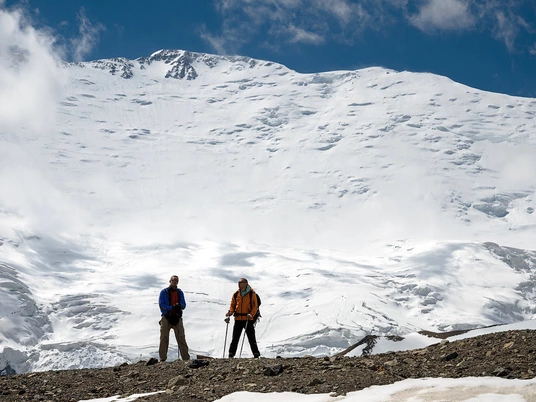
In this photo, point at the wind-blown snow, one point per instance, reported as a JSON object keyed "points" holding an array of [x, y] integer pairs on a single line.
{"points": [[355, 202]]}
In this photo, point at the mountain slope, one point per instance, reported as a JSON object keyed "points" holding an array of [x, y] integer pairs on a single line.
{"points": [[356, 202]]}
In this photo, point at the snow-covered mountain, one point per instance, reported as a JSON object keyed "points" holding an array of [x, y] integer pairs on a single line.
{"points": [[356, 202]]}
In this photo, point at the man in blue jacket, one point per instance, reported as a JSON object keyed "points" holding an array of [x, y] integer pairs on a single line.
{"points": [[172, 302]]}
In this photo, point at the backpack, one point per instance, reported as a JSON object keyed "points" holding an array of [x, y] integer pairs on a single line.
{"points": [[258, 313]]}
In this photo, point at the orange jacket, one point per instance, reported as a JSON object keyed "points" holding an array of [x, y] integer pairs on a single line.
{"points": [[243, 306]]}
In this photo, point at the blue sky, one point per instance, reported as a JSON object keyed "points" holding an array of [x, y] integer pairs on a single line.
{"points": [[486, 44]]}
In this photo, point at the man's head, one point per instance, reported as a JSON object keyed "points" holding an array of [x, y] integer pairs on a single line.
{"points": [[174, 281], [242, 284]]}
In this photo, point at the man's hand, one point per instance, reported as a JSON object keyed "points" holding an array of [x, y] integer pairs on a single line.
{"points": [[250, 316], [227, 320], [177, 307], [228, 314]]}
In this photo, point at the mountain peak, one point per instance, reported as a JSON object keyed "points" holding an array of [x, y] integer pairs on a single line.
{"points": [[182, 63]]}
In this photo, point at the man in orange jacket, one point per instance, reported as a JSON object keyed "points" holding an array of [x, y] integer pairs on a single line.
{"points": [[243, 306]]}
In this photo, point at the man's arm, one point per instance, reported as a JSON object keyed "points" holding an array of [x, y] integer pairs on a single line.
{"points": [[232, 306], [182, 300], [163, 301]]}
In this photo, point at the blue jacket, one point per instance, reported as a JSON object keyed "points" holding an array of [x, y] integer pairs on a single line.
{"points": [[163, 301]]}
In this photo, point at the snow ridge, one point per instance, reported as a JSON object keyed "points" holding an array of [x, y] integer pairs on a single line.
{"points": [[181, 63]]}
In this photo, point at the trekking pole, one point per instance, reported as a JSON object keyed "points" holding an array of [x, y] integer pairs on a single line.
{"points": [[244, 338], [225, 342]]}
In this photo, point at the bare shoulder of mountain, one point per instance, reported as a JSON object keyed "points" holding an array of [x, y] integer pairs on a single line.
{"points": [[180, 63], [504, 354]]}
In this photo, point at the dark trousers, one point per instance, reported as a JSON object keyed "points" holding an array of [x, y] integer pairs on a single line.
{"points": [[239, 325]]}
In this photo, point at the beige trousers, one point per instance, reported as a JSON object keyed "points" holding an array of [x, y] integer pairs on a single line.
{"points": [[179, 336]]}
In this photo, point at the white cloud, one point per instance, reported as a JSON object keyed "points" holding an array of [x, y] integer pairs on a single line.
{"points": [[506, 29], [216, 42], [299, 35], [89, 36], [30, 80], [293, 21], [504, 20], [299, 21], [31, 85], [323, 21], [443, 15], [341, 10]]}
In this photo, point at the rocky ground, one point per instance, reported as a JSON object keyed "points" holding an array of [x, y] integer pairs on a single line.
{"points": [[506, 354]]}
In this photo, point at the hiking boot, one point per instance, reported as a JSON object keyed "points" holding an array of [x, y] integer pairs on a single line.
{"points": [[256, 355], [231, 356]]}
